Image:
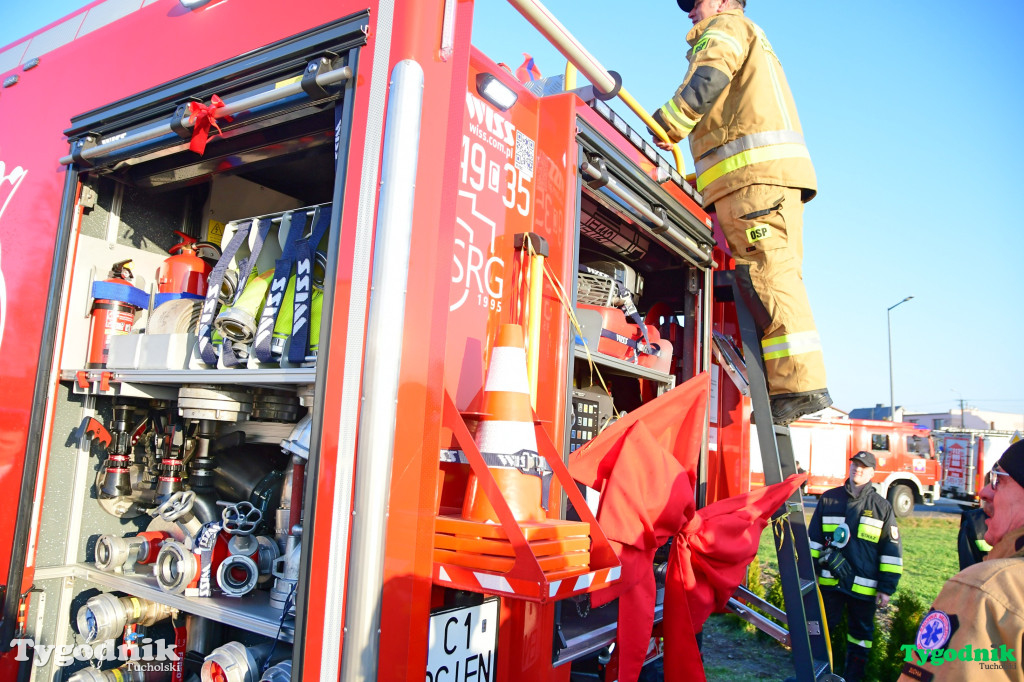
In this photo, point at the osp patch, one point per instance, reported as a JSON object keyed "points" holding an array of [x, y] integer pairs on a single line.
{"points": [[758, 232], [702, 43]]}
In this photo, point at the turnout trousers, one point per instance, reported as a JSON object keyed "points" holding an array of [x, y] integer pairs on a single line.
{"points": [[763, 225], [860, 619]]}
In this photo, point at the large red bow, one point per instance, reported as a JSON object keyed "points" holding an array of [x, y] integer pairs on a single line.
{"points": [[645, 466], [201, 116]]}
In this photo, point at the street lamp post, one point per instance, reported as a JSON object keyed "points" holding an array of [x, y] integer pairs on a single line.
{"points": [[888, 315]]}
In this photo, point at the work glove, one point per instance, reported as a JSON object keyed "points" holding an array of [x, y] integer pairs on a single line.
{"points": [[834, 561]]}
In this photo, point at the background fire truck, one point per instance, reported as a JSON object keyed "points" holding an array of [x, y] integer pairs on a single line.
{"points": [[237, 416], [907, 472], [967, 455]]}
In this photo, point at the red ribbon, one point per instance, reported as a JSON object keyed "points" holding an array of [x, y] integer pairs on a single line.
{"points": [[201, 117], [645, 466]]}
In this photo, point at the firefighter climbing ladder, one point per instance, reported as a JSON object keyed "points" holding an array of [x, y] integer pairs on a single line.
{"points": [[804, 631]]}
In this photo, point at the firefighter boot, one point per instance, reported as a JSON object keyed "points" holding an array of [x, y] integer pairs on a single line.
{"points": [[856, 663], [790, 407]]}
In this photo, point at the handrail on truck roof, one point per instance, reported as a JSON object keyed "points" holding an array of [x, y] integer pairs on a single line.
{"points": [[606, 82]]}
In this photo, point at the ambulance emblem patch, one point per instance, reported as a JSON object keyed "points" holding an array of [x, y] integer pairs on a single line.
{"points": [[935, 631], [758, 232]]}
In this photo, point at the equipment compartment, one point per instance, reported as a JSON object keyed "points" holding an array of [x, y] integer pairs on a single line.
{"points": [[172, 482]]}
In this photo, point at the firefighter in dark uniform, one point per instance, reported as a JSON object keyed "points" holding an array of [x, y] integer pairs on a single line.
{"points": [[856, 544], [970, 542]]}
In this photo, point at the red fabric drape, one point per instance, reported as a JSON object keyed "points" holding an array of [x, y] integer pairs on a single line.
{"points": [[645, 467]]}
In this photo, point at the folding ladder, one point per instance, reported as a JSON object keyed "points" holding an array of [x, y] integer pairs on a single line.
{"points": [[803, 631]]}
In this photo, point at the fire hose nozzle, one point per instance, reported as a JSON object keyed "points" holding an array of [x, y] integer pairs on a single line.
{"points": [[114, 553], [237, 575], [282, 672], [176, 567], [105, 616], [235, 662]]}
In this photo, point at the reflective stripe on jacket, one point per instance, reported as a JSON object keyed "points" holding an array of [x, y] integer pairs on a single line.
{"points": [[736, 107], [874, 550]]}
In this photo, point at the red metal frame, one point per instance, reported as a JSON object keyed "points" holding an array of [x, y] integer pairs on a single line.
{"points": [[526, 579]]}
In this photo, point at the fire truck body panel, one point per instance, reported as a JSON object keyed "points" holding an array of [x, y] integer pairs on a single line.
{"points": [[903, 452], [451, 171], [967, 457]]}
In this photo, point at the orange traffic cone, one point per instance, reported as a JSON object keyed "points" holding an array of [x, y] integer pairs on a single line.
{"points": [[506, 436]]}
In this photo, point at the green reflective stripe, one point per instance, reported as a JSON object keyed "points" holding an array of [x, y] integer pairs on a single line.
{"points": [[750, 157], [672, 113], [740, 144], [982, 545], [890, 568], [829, 527], [285, 311], [815, 553], [827, 582], [725, 38], [866, 643], [790, 344], [865, 586], [869, 533], [316, 307]]}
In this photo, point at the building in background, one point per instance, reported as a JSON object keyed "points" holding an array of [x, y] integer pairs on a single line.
{"points": [[969, 418], [879, 411]]}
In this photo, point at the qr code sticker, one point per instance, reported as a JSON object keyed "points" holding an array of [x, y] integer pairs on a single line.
{"points": [[524, 155]]}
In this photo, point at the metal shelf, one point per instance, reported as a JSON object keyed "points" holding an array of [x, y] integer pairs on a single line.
{"points": [[252, 612], [624, 367], [583, 639], [268, 376]]}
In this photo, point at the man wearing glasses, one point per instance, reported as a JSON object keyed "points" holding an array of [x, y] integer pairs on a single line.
{"points": [[976, 624]]}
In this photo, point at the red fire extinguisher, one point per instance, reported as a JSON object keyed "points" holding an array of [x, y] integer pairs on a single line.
{"points": [[115, 301], [185, 272]]}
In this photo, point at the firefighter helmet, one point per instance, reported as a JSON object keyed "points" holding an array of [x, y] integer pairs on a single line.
{"points": [[686, 5]]}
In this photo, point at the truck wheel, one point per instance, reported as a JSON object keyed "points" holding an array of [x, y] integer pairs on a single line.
{"points": [[902, 500]]}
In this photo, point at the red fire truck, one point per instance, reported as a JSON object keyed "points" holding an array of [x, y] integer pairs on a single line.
{"points": [[967, 456], [907, 472], [251, 276]]}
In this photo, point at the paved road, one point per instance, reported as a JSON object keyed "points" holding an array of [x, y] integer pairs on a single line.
{"points": [[940, 508]]}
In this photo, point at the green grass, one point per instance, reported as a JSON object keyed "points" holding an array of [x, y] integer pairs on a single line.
{"points": [[929, 554]]}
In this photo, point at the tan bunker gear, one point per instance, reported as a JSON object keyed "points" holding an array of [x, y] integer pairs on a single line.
{"points": [[975, 630], [752, 165]]}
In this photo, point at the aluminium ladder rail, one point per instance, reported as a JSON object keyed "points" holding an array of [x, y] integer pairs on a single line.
{"points": [[805, 631]]}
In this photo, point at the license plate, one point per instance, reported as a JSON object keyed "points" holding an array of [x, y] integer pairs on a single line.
{"points": [[463, 643]]}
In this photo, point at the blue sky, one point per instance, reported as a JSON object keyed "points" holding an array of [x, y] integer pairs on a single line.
{"points": [[913, 119]]}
